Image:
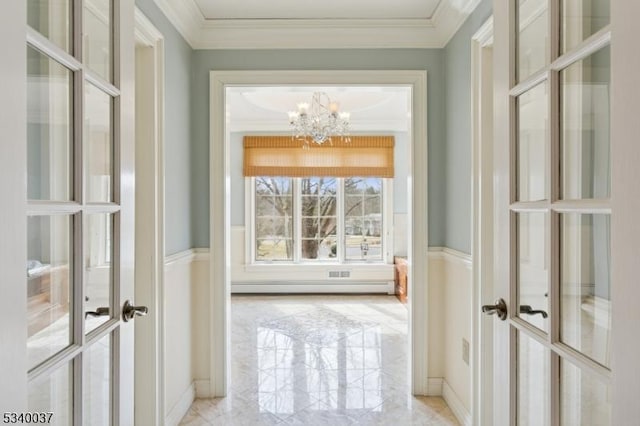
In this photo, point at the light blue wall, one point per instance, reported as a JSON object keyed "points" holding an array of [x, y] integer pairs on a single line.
{"points": [[204, 61], [178, 193], [238, 182], [187, 122], [457, 56]]}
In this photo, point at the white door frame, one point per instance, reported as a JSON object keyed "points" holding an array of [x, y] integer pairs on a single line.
{"points": [[482, 221], [625, 204], [219, 166], [149, 285], [13, 221]]}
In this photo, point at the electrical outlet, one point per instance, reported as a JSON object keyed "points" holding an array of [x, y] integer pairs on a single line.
{"points": [[465, 351]]}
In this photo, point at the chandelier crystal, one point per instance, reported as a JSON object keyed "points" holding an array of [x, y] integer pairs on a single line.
{"points": [[319, 121]]}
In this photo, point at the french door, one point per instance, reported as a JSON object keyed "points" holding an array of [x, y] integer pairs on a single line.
{"points": [[553, 185], [76, 175]]}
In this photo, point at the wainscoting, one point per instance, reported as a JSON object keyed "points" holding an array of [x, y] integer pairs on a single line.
{"points": [[187, 332]]}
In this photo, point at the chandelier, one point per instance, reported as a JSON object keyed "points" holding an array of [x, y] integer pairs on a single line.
{"points": [[319, 121]]}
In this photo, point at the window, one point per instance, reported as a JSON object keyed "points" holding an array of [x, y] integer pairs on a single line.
{"points": [[315, 219]]}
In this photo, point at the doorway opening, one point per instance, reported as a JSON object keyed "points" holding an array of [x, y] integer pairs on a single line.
{"points": [[220, 207]]}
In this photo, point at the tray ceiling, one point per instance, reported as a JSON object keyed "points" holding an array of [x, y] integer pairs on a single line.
{"points": [[312, 24], [310, 9]]}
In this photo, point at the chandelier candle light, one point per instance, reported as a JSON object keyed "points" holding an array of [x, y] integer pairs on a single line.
{"points": [[320, 121]]}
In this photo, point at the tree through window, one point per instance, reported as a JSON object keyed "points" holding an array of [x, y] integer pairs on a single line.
{"points": [[318, 218]]}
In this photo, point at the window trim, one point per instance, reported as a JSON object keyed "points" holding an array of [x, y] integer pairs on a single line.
{"points": [[250, 230]]}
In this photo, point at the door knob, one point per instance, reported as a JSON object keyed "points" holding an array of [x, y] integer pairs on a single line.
{"points": [[500, 308], [526, 309], [99, 312], [129, 311]]}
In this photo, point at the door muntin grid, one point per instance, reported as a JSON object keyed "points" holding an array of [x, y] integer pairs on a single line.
{"points": [[571, 240], [64, 192]]}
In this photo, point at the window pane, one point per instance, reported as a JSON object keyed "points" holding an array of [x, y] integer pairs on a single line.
{"points": [[273, 185], [53, 395], [533, 274], [96, 392], [49, 129], [533, 37], [318, 198], [98, 270], [274, 218], [586, 163], [354, 207], [97, 36], [274, 249], [363, 218], [98, 145], [533, 382], [582, 18], [585, 400], [586, 284], [49, 268], [52, 19], [533, 144]]}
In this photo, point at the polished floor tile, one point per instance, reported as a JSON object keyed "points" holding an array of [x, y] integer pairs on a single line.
{"points": [[319, 360]]}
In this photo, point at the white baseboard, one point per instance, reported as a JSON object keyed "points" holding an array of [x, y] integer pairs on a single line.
{"points": [[434, 386], [314, 287], [456, 406], [203, 388], [182, 406]]}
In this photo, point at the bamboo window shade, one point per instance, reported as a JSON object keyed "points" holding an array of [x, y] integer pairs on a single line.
{"points": [[364, 156]]}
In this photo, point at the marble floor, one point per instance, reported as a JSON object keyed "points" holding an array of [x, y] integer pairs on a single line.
{"points": [[319, 360]]}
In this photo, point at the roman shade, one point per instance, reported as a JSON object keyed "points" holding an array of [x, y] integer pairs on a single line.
{"points": [[363, 156]]}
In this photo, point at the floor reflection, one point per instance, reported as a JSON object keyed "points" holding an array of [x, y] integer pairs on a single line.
{"points": [[315, 360]]}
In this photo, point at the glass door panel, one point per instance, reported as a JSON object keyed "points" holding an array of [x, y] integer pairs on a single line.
{"points": [[585, 144], [533, 269], [98, 269], [581, 19], [49, 286], [585, 400], [49, 129], [533, 144], [533, 37], [96, 392], [52, 19], [97, 40], [585, 285], [533, 382], [98, 145], [53, 395]]}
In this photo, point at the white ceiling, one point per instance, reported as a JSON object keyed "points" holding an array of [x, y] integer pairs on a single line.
{"points": [[264, 109], [313, 9], [315, 24]]}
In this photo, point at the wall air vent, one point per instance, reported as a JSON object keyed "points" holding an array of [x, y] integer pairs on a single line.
{"points": [[334, 274]]}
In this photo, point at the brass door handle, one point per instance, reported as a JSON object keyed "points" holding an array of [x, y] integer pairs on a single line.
{"points": [[129, 311], [500, 309]]}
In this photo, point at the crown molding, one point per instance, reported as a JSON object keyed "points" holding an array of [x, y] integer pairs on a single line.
{"points": [[185, 17], [202, 33]]}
